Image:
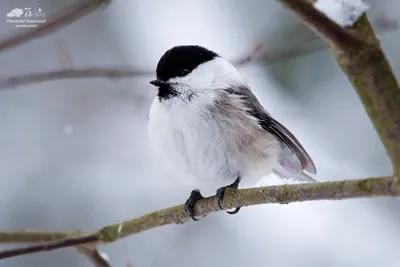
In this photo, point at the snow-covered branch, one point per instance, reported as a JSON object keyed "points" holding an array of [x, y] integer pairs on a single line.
{"points": [[323, 25], [358, 53], [343, 12]]}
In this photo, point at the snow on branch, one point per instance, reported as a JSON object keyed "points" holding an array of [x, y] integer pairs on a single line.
{"points": [[360, 56], [343, 12], [324, 26]]}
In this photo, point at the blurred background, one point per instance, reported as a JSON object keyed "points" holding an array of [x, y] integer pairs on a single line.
{"points": [[74, 153]]}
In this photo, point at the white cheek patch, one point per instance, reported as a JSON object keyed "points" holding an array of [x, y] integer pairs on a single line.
{"points": [[215, 74]]}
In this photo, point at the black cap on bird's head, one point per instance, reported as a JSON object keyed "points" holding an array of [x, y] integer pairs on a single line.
{"points": [[180, 61]]}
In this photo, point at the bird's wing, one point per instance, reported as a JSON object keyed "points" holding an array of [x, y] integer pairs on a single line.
{"points": [[293, 158]]}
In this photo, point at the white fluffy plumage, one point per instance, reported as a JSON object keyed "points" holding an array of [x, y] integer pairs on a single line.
{"points": [[210, 132]]}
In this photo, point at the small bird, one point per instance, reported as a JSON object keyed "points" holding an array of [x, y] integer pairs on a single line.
{"points": [[207, 127]]}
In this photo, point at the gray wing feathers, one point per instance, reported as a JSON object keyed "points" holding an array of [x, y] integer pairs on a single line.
{"points": [[293, 158], [294, 145]]}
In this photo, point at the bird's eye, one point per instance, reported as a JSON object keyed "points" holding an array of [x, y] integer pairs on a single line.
{"points": [[185, 72]]}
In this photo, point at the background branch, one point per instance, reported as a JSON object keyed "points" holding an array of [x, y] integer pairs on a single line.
{"points": [[70, 73], [31, 236], [113, 73], [28, 236], [382, 24], [283, 194]]}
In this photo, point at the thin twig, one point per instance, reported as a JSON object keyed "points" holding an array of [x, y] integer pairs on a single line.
{"points": [[31, 236], [70, 73], [62, 243], [113, 73], [283, 194], [259, 52], [69, 15]]}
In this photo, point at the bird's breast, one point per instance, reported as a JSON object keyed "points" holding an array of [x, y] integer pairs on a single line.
{"points": [[209, 148], [190, 144]]}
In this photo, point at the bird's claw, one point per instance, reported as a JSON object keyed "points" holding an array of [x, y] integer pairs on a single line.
{"points": [[195, 196], [221, 192]]}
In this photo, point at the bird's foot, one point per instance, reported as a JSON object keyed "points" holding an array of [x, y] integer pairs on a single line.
{"points": [[195, 196], [221, 192]]}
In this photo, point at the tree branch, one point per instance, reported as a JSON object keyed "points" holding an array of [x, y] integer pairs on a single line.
{"points": [[283, 194], [70, 73], [324, 26], [62, 243], [113, 73], [365, 65], [382, 24], [30, 236], [92, 253], [69, 15]]}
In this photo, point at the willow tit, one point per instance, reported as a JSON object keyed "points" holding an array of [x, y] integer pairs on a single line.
{"points": [[206, 126]]}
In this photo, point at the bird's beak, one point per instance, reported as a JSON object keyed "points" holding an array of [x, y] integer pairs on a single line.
{"points": [[157, 83]]}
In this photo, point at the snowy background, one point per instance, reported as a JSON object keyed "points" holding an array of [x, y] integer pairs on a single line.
{"points": [[74, 153]]}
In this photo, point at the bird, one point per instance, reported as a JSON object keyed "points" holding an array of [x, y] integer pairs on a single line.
{"points": [[207, 127]]}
